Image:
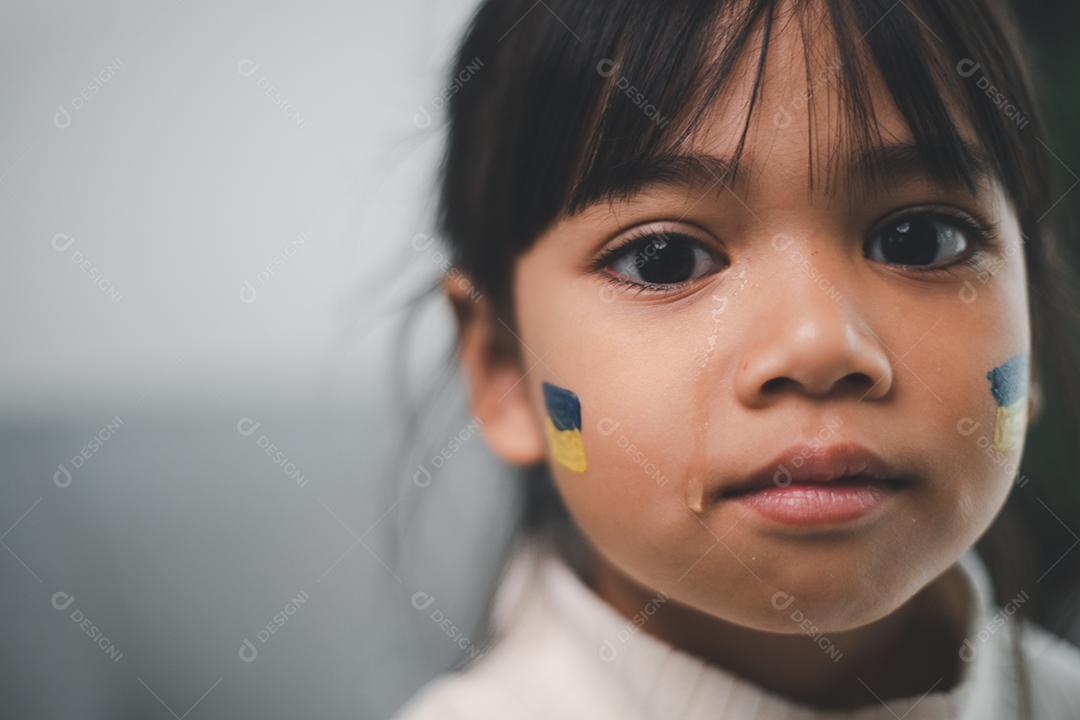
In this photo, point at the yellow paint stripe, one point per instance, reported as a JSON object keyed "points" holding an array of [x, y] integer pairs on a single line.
{"points": [[1010, 425], [567, 447]]}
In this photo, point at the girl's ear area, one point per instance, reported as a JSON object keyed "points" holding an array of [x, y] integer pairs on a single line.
{"points": [[498, 392]]}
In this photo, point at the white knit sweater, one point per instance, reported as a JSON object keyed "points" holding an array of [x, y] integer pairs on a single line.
{"points": [[562, 652]]}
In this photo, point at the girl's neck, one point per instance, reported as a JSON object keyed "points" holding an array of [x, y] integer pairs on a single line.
{"points": [[909, 652]]}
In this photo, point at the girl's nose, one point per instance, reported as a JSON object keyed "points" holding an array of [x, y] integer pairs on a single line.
{"points": [[813, 342]]}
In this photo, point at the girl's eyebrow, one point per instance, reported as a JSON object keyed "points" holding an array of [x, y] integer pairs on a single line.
{"points": [[863, 172]]}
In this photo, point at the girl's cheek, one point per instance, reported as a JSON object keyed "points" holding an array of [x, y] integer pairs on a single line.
{"points": [[976, 366], [989, 437], [625, 369], [1005, 375], [608, 453], [622, 473]]}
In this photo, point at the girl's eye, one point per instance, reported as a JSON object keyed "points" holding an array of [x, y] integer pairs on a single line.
{"points": [[660, 259], [921, 241]]}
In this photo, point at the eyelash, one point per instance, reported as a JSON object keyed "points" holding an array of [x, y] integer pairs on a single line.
{"points": [[983, 236], [608, 254]]}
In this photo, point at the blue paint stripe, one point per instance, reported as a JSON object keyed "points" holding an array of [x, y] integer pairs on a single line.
{"points": [[563, 407], [1008, 381]]}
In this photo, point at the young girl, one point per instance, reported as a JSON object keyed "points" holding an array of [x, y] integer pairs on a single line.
{"points": [[755, 291]]}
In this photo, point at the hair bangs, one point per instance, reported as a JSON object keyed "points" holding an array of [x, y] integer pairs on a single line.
{"points": [[663, 75]]}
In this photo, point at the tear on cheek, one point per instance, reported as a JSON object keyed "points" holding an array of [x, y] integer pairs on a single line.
{"points": [[564, 427], [1008, 385]]}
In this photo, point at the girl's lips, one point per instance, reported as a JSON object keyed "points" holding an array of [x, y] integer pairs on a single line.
{"points": [[818, 503], [831, 484]]}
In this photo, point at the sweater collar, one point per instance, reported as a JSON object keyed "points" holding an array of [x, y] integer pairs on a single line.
{"points": [[668, 682]]}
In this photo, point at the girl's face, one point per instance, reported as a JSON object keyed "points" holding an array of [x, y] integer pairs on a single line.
{"points": [[742, 321]]}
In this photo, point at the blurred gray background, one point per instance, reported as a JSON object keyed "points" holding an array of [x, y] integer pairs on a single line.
{"points": [[206, 213], [212, 214]]}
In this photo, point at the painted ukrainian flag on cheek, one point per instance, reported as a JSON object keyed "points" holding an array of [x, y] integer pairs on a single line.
{"points": [[564, 427], [1008, 384]]}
